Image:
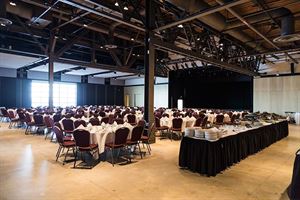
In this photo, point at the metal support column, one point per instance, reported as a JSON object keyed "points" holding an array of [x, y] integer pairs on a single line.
{"points": [[51, 69], [149, 62]]}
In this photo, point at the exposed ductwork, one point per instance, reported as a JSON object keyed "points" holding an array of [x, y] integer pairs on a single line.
{"points": [[215, 20]]}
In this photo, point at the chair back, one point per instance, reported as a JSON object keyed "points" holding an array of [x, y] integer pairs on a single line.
{"points": [[4, 112], [131, 118], [58, 125], [198, 121], [177, 123], [111, 118], [95, 121], [68, 124], [27, 118], [22, 116], [102, 114], [105, 120], [157, 122], [142, 123], [137, 132], [232, 119], [204, 121], [11, 114], [121, 136], [119, 121], [82, 138], [59, 134], [38, 119], [219, 119], [48, 121], [56, 117], [77, 123]]}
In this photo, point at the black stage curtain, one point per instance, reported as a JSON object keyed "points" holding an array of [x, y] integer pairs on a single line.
{"points": [[211, 158], [220, 89]]}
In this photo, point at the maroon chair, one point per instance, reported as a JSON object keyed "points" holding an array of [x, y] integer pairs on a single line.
{"points": [[176, 126], [29, 124], [68, 126], [56, 117], [82, 142], [142, 123], [219, 119], [39, 122], [131, 118], [49, 125], [102, 114], [4, 114], [159, 127], [119, 141], [204, 122], [14, 120], [94, 121], [119, 121], [77, 123], [62, 143], [198, 122], [104, 120], [136, 136], [145, 139]]}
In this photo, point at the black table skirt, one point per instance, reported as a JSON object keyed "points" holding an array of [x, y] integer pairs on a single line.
{"points": [[211, 158], [294, 188]]}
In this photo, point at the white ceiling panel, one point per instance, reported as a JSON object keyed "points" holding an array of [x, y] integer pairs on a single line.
{"points": [[15, 61]]}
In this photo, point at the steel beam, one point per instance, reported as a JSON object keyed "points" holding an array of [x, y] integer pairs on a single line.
{"points": [[254, 29], [194, 55], [202, 13], [97, 65], [102, 14], [35, 64]]}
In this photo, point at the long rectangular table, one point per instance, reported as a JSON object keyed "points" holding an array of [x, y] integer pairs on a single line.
{"points": [[210, 158]]}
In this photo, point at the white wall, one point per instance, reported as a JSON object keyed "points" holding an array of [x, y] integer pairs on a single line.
{"points": [[136, 92], [277, 94]]}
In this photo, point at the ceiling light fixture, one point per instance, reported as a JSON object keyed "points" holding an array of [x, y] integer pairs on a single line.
{"points": [[125, 7], [115, 72], [132, 39], [116, 4], [84, 25], [3, 24], [101, 47], [198, 39], [12, 3], [180, 26]]}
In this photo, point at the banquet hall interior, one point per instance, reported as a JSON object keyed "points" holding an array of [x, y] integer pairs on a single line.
{"points": [[150, 99]]}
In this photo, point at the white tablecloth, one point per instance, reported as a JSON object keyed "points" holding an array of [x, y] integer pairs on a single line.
{"points": [[186, 122]]}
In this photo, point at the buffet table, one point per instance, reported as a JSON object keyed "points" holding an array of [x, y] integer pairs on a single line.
{"points": [[210, 158]]}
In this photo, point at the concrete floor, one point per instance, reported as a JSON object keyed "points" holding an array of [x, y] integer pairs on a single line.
{"points": [[28, 171]]}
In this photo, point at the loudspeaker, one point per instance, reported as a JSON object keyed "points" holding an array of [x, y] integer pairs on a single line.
{"points": [[292, 68]]}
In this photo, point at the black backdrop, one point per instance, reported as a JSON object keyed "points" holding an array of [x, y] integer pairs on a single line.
{"points": [[211, 89], [15, 92]]}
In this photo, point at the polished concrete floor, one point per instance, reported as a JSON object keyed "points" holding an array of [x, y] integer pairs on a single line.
{"points": [[28, 171]]}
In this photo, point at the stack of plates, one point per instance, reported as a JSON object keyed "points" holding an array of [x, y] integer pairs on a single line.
{"points": [[210, 135], [189, 132], [199, 133]]}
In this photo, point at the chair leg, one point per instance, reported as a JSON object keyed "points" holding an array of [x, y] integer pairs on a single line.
{"points": [[149, 148], [75, 158], [66, 156], [26, 129], [112, 157], [140, 150], [58, 153]]}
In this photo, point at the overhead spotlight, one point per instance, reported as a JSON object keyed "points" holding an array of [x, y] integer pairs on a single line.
{"points": [[101, 47], [180, 26], [277, 74], [221, 44], [133, 54], [2, 24], [116, 4], [125, 7], [115, 78], [138, 55], [139, 75], [92, 76], [85, 25], [64, 38], [115, 72], [132, 39], [12, 3]]}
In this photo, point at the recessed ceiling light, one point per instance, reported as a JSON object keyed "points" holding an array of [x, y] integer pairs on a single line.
{"points": [[101, 47], [133, 54], [116, 4], [125, 7], [180, 26], [138, 55], [3, 24], [64, 38], [84, 25], [12, 3], [132, 39], [198, 39]]}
